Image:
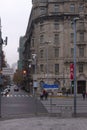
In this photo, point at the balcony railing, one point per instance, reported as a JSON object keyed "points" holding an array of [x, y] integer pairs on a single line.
{"points": [[78, 60]]}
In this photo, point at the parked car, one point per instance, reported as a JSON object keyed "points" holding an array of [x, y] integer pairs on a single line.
{"points": [[5, 92], [8, 87], [16, 88], [59, 94]]}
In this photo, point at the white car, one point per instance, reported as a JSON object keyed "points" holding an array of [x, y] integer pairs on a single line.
{"points": [[59, 94], [4, 93]]}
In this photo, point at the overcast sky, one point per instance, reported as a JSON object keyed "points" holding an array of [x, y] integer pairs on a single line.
{"points": [[14, 20]]}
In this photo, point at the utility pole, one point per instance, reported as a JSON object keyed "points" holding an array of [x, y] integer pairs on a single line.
{"points": [[75, 83], [1, 80]]}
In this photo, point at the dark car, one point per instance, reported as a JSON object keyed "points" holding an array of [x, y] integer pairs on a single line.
{"points": [[16, 88]]}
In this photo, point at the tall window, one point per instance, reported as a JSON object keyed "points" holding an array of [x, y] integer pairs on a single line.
{"points": [[41, 53], [72, 8], [81, 51], [56, 39], [72, 52], [56, 8], [41, 38], [42, 68], [56, 68], [56, 25], [81, 7], [81, 25], [56, 52], [72, 37], [81, 37], [80, 68], [42, 10], [41, 27]]}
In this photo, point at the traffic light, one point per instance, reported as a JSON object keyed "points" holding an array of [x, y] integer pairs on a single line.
{"points": [[24, 72]]}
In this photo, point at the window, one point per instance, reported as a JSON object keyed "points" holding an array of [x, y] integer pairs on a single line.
{"points": [[56, 8], [56, 52], [56, 39], [41, 27], [81, 37], [81, 25], [42, 68], [72, 52], [41, 53], [41, 38], [81, 52], [42, 10], [56, 68], [80, 68], [41, 22], [72, 8], [71, 24], [56, 25], [72, 37], [81, 7]]}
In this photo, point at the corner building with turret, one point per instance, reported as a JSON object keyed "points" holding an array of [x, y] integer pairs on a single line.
{"points": [[50, 35]]}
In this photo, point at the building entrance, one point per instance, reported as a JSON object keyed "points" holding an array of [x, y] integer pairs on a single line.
{"points": [[81, 86]]}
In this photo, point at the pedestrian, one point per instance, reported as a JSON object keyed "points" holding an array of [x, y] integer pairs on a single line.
{"points": [[83, 94], [44, 91], [46, 95], [41, 96]]}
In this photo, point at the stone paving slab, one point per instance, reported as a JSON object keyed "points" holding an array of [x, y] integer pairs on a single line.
{"points": [[44, 123]]}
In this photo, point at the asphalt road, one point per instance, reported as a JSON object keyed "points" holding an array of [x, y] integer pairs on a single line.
{"points": [[20, 103], [61, 104]]}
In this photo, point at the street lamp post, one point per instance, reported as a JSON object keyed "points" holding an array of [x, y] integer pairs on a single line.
{"points": [[74, 27]]}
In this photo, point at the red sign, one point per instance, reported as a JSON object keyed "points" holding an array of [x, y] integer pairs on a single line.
{"points": [[71, 75], [72, 71], [71, 67]]}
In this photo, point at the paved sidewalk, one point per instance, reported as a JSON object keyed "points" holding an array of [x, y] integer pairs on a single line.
{"points": [[44, 123]]}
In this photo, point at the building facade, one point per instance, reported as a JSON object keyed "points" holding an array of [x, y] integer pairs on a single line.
{"points": [[20, 51], [50, 36]]}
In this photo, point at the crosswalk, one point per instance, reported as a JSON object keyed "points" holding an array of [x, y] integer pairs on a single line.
{"points": [[16, 95]]}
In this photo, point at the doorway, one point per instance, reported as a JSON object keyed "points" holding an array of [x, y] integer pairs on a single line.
{"points": [[81, 86]]}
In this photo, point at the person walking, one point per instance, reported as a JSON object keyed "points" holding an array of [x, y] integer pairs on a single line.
{"points": [[46, 95], [83, 94]]}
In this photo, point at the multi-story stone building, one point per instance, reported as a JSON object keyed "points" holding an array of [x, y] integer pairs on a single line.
{"points": [[50, 36], [20, 51]]}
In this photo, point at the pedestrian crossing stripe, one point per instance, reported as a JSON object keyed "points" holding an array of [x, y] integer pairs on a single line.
{"points": [[10, 95]]}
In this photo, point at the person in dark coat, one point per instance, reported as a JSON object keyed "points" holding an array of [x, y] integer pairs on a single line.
{"points": [[46, 95], [83, 94]]}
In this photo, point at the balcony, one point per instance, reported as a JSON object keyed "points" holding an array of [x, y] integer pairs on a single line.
{"points": [[78, 60], [81, 43], [68, 60], [82, 60]]}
